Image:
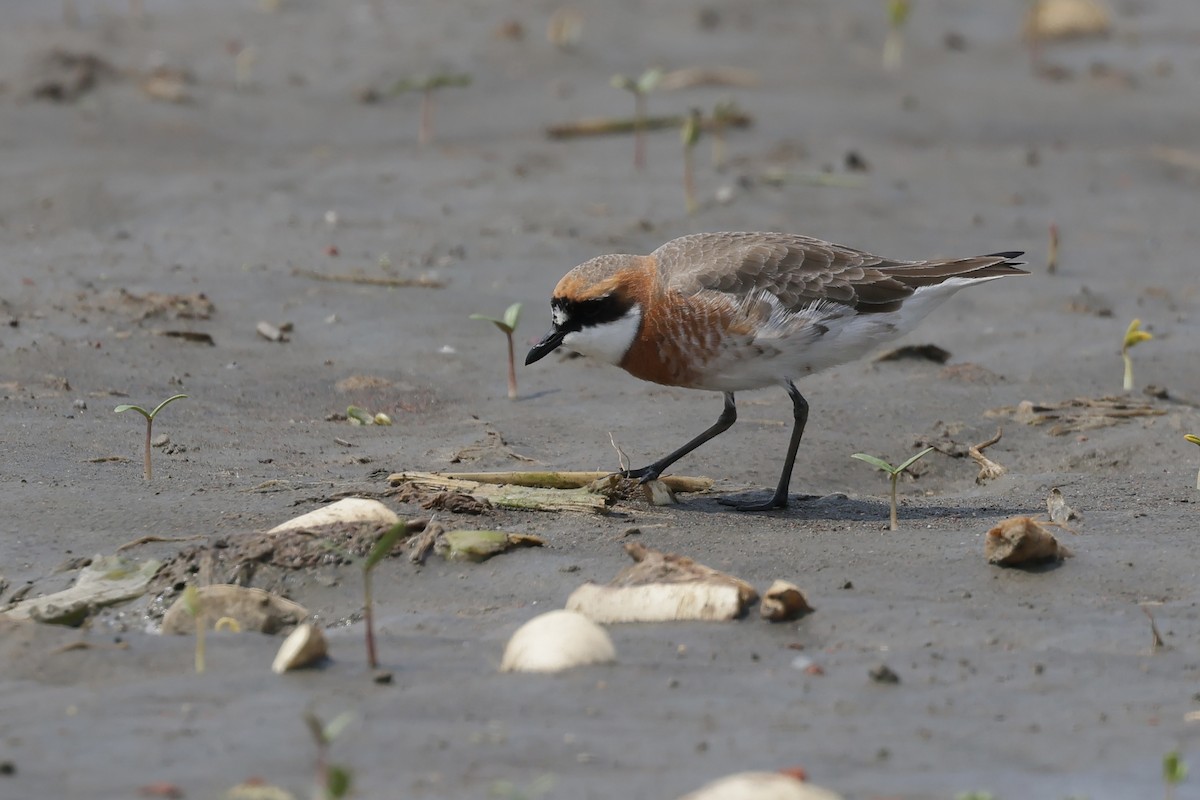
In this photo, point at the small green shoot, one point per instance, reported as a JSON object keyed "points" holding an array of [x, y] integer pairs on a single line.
{"points": [[639, 88], [1194, 439], [974, 796], [379, 552], [1134, 335], [893, 473], [427, 85], [893, 45], [508, 325], [333, 780], [689, 135], [1174, 772], [191, 601], [149, 415]]}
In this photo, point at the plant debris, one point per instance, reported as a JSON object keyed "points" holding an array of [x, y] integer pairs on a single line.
{"points": [[988, 469], [556, 641], [570, 480], [1067, 19], [481, 545], [606, 126], [1078, 414], [395, 282], [250, 609], [664, 587], [503, 495], [63, 76], [1022, 541]]}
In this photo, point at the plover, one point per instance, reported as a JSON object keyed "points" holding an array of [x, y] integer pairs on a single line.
{"points": [[729, 312]]}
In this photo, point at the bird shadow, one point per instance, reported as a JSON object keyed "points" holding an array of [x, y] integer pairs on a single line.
{"points": [[838, 506]]}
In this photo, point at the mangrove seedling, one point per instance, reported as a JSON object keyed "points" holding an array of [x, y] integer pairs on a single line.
{"points": [[1174, 772], [427, 85], [333, 780], [1052, 255], [379, 552], [149, 415], [893, 472], [639, 88], [1134, 335], [893, 45], [508, 325], [689, 134], [724, 113], [1194, 439]]}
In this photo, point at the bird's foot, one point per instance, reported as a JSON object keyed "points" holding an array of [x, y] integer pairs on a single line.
{"points": [[643, 475], [773, 503]]}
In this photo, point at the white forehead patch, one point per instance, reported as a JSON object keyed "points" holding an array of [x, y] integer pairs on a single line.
{"points": [[608, 341], [559, 315]]}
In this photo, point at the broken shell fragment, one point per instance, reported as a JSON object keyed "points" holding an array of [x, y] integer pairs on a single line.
{"points": [[663, 587], [784, 602], [350, 509], [252, 609], [556, 641], [659, 493], [305, 646], [760, 786], [1022, 540]]}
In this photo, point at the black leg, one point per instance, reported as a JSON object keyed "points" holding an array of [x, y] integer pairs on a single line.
{"points": [[800, 415], [727, 418]]}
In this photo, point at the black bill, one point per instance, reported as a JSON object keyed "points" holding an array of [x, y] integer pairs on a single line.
{"points": [[546, 346]]}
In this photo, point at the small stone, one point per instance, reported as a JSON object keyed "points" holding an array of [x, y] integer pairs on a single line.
{"points": [[382, 677], [79, 405], [162, 440], [884, 674]]}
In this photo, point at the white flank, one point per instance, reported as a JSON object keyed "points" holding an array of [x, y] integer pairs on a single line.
{"points": [[608, 342], [791, 345]]}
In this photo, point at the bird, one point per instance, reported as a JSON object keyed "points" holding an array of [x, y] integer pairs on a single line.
{"points": [[735, 311]]}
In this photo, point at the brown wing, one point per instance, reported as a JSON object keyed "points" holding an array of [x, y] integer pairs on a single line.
{"points": [[800, 270]]}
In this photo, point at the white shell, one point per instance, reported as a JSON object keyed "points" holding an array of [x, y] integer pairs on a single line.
{"points": [[351, 509], [760, 786], [556, 641], [306, 645]]}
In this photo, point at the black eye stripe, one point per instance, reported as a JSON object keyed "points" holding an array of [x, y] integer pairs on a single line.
{"points": [[578, 314]]}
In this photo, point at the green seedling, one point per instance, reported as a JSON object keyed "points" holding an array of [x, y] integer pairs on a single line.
{"points": [[333, 780], [1174, 772], [379, 552], [893, 473], [427, 85], [538, 788], [149, 415], [893, 45], [1194, 439], [1134, 335], [689, 135], [508, 325], [639, 88], [191, 602]]}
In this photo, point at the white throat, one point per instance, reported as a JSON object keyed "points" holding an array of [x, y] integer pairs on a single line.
{"points": [[608, 341]]}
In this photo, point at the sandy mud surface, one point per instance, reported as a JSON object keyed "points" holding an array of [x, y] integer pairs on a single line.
{"points": [[119, 208]]}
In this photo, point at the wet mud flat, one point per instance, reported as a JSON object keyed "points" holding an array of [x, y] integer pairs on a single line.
{"points": [[170, 184]]}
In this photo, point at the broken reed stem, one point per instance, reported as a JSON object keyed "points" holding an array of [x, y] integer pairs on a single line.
{"points": [[895, 476], [1052, 257], [425, 134], [689, 181], [639, 131], [512, 368], [605, 126], [369, 619], [200, 643], [146, 470]]}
